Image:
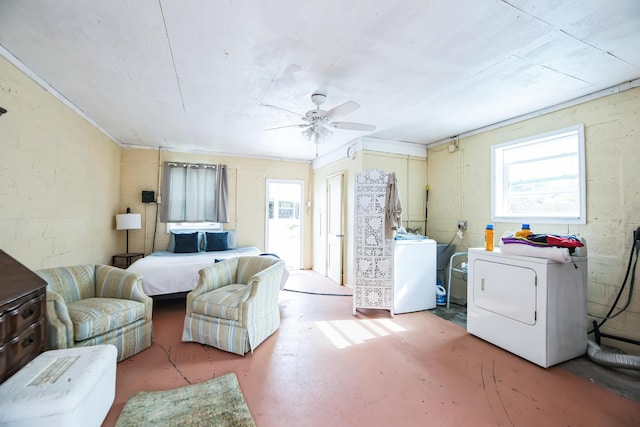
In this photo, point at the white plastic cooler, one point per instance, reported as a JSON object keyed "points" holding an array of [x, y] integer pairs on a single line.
{"points": [[70, 387]]}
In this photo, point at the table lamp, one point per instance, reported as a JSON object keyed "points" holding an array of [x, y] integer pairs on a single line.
{"points": [[128, 221]]}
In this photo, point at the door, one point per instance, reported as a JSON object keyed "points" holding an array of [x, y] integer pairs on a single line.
{"points": [[335, 234], [505, 289], [284, 221]]}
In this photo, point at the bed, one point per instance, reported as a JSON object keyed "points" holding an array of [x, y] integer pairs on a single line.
{"points": [[166, 272], [175, 270]]}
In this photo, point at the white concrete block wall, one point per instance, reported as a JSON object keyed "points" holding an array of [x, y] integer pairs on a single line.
{"points": [[59, 179]]}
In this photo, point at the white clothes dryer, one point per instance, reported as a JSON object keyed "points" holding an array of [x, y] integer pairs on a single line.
{"points": [[532, 307]]}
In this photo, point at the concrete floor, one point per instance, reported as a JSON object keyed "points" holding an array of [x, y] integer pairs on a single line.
{"points": [[621, 381], [325, 367]]}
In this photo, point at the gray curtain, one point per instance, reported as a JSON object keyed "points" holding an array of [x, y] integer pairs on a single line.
{"points": [[222, 194], [194, 192]]}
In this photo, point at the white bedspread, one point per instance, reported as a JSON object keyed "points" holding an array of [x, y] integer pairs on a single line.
{"points": [[168, 273]]}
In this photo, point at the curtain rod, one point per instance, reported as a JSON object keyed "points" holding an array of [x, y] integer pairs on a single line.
{"points": [[195, 165]]}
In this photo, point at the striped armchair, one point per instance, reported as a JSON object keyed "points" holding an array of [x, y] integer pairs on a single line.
{"points": [[234, 306], [97, 304]]}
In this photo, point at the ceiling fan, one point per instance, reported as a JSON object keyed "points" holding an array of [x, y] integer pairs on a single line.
{"points": [[317, 123]]}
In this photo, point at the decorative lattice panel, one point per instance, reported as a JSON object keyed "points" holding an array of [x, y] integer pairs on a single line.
{"points": [[373, 287]]}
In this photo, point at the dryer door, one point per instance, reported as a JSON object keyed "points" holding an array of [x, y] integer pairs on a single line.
{"points": [[507, 290]]}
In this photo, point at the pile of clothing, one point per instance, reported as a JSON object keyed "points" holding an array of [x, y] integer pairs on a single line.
{"points": [[551, 246]]}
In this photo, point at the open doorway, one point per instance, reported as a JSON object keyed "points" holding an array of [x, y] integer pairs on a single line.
{"points": [[284, 221]]}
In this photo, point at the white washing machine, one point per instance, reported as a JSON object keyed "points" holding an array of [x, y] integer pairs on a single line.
{"points": [[532, 307], [414, 275]]}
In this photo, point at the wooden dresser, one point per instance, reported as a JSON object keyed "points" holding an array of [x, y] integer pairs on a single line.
{"points": [[22, 315]]}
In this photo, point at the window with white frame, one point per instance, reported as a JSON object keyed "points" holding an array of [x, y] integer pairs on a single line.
{"points": [[540, 179]]}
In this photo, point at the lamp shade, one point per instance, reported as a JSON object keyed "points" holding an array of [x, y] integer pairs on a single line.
{"points": [[128, 221]]}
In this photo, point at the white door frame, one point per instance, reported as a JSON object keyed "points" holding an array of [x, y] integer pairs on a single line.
{"points": [[335, 272]]}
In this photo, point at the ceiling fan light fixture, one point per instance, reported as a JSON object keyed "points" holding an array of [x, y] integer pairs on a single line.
{"points": [[325, 133], [318, 123], [308, 133]]}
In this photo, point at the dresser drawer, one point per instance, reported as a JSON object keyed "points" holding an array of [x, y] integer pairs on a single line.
{"points": [[21, 349], [23, 312], [4, 367], [24, 347], [3, 329]]}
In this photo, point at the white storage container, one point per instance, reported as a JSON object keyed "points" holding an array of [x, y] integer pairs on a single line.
{"points": [[70, 387]]}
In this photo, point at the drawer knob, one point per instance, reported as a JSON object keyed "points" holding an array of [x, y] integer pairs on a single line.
{"points": [[28, 341], [28, 312]]}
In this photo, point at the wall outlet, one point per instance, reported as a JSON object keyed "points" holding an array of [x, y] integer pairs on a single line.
{"points": [[462, 225]]}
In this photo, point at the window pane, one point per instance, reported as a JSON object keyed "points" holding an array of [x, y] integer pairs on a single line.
{"points": [[541, 178], [285, 209]]}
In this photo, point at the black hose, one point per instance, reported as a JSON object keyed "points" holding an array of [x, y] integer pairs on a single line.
{"points": [[318, 293], [635, 248], [449, 244]]}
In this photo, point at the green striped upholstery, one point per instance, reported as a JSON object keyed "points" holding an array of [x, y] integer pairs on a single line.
{"points": [[222, 303], [97, 304], [231, 314], [95, 316], [72, 283]]}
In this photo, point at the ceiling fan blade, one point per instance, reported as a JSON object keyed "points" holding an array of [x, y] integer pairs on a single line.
{"points": [[343, 109], [283, 109], [289, 126], [351, 126]]}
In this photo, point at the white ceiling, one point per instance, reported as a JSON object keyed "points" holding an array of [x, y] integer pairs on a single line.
{"points": [[195, 74]]}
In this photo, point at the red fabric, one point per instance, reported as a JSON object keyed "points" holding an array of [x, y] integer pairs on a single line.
{"points": [[563, 242]]}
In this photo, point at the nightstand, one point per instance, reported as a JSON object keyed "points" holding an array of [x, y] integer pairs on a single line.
{"points": [[125, 260]]}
